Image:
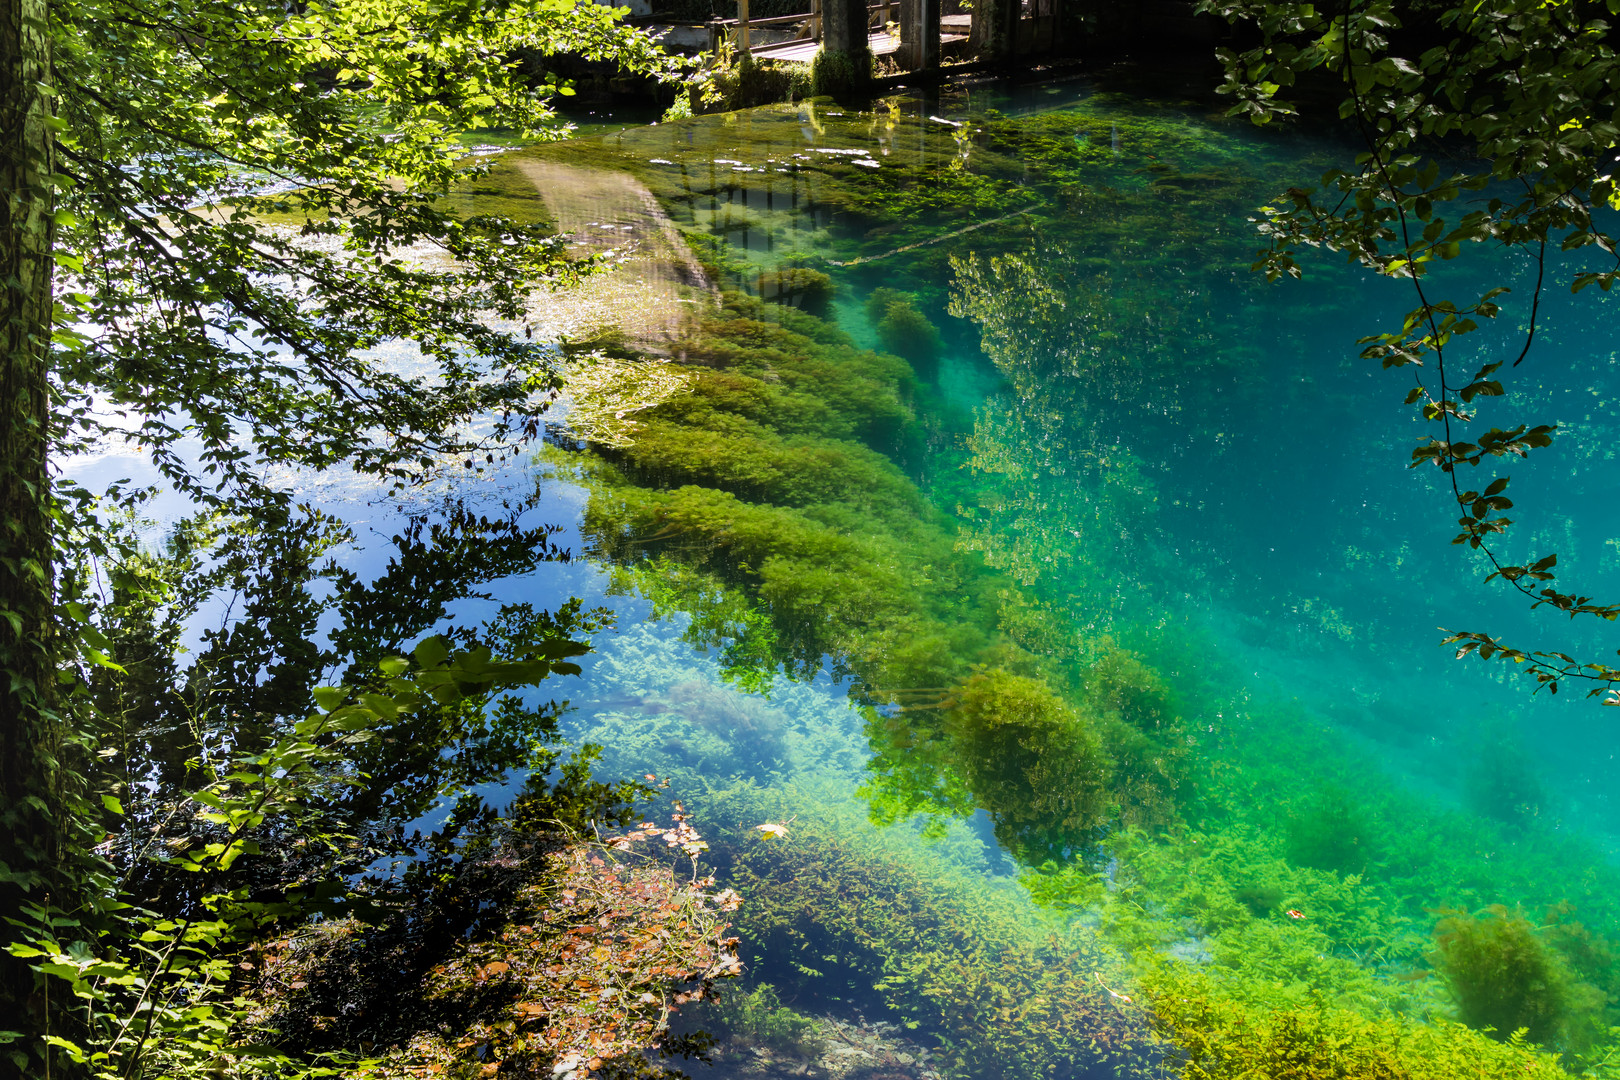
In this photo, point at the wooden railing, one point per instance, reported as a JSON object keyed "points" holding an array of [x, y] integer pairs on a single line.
{"points": [[737, 29]]}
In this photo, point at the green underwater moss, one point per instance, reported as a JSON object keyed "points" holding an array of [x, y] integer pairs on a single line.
{"points": [[1007, 629], [1227, 1035], [800, 537], [1505, 977], [778, 474], [1033, 762]]}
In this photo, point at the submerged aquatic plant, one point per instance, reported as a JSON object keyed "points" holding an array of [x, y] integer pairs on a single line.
{"points": [[528, 950], [1501, 782], [799, 286], [759, 1018], [1329, 833], [1030, 759], [1121, 685], [837, 551], [1141, 726], [904, 330], [844, 912], [1226, 1034], [1502, 974]]}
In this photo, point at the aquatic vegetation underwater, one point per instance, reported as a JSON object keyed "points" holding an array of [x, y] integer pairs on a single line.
{"points": [[1503, 976], [1208, 877], [858, 918], [765, 474], [965, 717], [1501, 783], [760, 1017], [1224, 1035], [903, 330]]}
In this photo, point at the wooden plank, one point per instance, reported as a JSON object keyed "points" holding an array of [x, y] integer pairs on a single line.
{"points": [[803, 52], [793, 52], [775, 20]]}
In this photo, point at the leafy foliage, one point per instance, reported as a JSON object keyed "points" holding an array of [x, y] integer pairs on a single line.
{"points": [[180, 128], [1525, 87], [252, 199], [155, 985]]}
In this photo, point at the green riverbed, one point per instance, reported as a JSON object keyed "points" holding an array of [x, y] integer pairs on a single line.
{"points": [[976, 513]]}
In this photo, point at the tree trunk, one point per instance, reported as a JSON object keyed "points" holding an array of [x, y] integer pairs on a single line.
{"points": [[32, 817], [1000, 42], [843, 67]]}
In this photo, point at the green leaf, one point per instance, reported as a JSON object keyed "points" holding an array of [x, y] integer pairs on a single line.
{"points": [[431, 652]]}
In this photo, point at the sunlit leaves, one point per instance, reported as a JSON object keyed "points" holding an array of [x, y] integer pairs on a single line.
{"points": [[186, 129], [1530, 87]]}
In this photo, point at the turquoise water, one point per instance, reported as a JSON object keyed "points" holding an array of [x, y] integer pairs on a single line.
{"points": [[1162, 453], [1123, 341], [1098, 634]]}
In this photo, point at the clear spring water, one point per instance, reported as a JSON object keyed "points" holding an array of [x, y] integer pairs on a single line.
{"points": [[1158, 448], [1123, 336], [1159, 445]]}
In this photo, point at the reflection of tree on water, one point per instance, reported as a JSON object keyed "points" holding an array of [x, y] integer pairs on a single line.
{"points": [[273, 587], [1110, 370]]}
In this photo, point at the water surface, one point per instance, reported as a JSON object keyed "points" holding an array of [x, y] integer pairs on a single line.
{"points": [[1157, 474]]}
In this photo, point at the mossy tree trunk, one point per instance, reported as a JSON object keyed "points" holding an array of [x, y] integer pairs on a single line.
{"points": [[843, 67], [32, 819]]}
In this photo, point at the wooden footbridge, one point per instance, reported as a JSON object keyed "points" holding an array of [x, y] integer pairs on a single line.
{"points": [[886, 32], [998, 34]]}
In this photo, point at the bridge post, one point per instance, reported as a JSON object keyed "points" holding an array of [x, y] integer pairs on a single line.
{"points": [[742, 27], [1000, 40], [843, 67], [815, 21], [919, 34], [927, 22]]}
